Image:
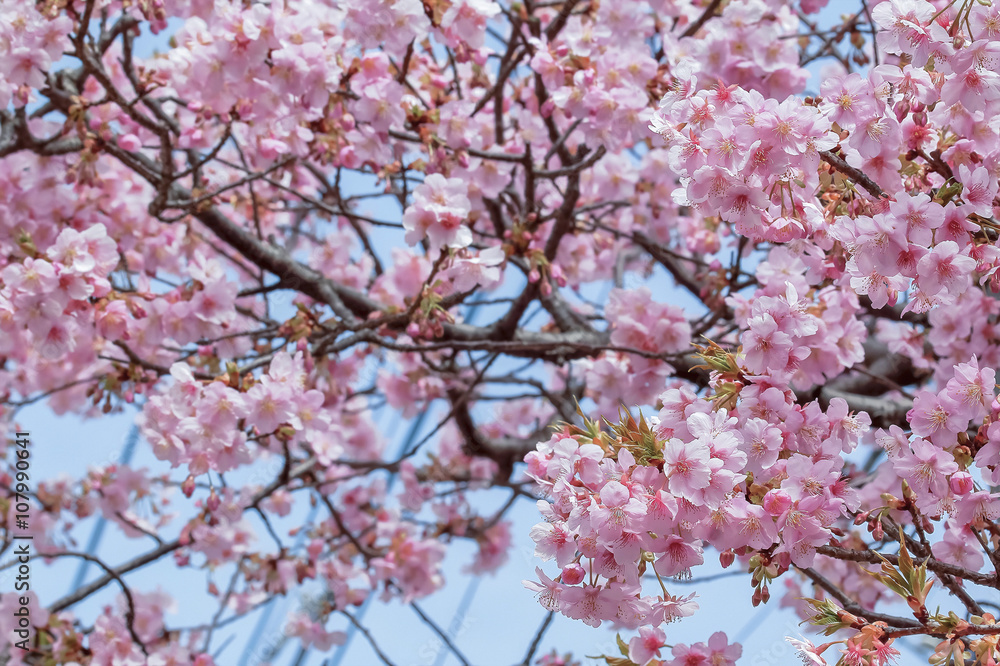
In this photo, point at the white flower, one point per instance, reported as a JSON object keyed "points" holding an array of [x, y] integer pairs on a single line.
{"points": [[806, 651]]}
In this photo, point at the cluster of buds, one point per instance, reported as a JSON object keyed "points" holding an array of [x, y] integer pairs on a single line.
{"points": [[517, 241], [300, 326], [544, 272], [956, 647], [331, 145], [762, 571], [726, 375], [832, 617], [908, 581], [591, 433], [873, 519], [430, 316], [637, 437]]}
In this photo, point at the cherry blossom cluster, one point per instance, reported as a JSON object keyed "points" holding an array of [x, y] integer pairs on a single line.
{"points": [[659, 494], [299, 215], [30, 42], [39, 293], [638, 323]]}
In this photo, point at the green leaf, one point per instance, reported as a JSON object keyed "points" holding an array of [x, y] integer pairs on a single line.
{"points": [[622, 645]]}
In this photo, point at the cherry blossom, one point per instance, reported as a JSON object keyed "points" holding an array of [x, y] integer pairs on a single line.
{"points": [[635, 261]]}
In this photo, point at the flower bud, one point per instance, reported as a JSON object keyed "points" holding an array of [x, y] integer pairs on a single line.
{"points": [[961, 483], [573, 574], [188, 486], [776, 502], [213, 501], [902, 108], [480, 57], [726, 558], [928, 525]]}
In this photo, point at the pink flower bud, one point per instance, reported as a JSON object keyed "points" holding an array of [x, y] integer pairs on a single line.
{"points": [[130, 142], [573, 574], [244, 107], [776, 502], [961, 483], [213, 501], [556, 274], [726, 558], [188, 486], [348, 158], [902, 109], [138, 311]]}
